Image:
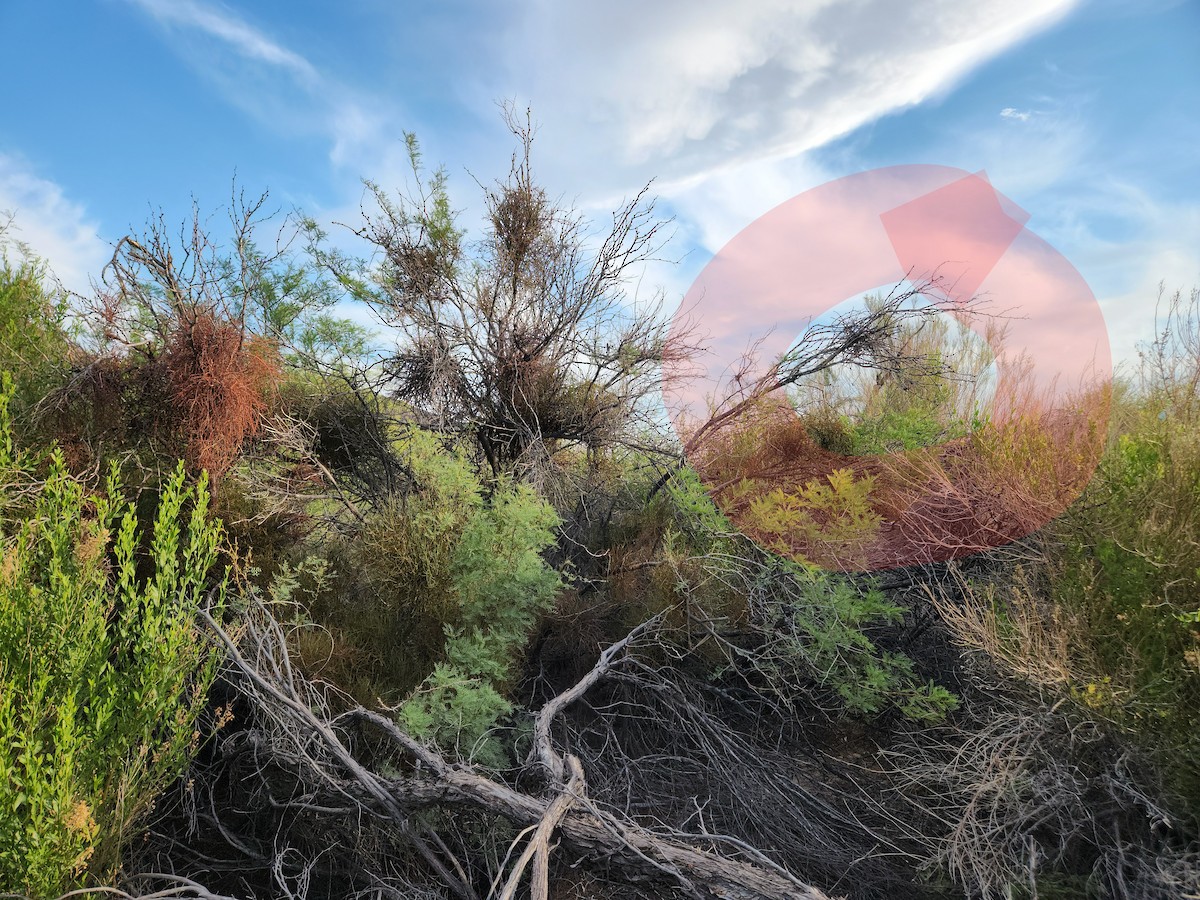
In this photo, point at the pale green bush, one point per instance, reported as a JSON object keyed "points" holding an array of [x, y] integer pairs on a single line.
{"points": [[34, 341], [497, 585]]}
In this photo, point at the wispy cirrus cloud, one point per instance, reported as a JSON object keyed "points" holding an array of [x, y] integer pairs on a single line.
{"points": [[278, 85], [677, 90], [228, 27], [722, 104]]}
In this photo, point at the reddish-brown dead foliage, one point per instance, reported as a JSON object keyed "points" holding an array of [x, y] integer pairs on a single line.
{"points": [[199, 398], [995, 486], [985, 490], [219, 381]]}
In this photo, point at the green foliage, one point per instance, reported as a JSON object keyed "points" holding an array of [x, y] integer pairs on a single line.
{"points": [[931, 391], [905, 429], [812, 627], [830, 517], [294, 300], [691, 509], [830, 431], [1122, 566], [406, 547], [458, 712], [440, 591], [819, 625], [33, 327], [498, 586], [784, 491], [909, 413], [1128, 568], [102, 673]]}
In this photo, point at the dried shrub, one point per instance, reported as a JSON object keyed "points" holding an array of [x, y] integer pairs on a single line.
{"points": [[219, 380], [1008, 474], [1012, 474], [1022, 631], [199, 397], [87, 413], [524, 341], [1019, 799]]}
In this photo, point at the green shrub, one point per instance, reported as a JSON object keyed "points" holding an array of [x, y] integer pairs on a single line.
{"points": [[1110, 614], [1127, 566], [802, 633], [830, 431], [908, 414], [817, 626], [498, 585], [439, 592], [102, 673], [34, 342]]}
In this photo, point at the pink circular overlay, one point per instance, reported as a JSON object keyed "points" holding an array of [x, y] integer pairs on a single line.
{"points": [[882, 227]]}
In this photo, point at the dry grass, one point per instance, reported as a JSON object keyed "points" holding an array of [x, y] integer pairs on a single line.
{"points": [[1021, 797], [1019, 630]]}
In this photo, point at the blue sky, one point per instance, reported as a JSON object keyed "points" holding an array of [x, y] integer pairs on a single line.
{"points": [[1084, 113]]}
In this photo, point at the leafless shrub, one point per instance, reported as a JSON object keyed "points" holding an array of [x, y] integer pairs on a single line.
{"points": [[311, 799], [1021, 632], [1170, 364], [1015, 795], [682, 755], [869, 339]]}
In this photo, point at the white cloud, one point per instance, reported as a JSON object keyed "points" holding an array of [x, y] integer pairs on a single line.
{"points": [[278, 85], [720, 102], [717, 101], [1123, 235], [684, 88], [229, 28], [1126, 275], [54, 227], [676, 90]]}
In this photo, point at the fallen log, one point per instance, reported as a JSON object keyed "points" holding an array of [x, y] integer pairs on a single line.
{"points": [[672, 862]]}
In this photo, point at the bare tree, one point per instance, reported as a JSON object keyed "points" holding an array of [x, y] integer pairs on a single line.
{"points": [[876, 337], [526, 339]]}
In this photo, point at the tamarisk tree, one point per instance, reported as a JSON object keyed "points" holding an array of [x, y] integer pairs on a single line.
{"points": [[526, 338]]}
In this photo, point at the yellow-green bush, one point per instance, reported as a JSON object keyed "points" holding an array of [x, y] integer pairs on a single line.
{"points": [[102, 672], [500, 585], [1127, 567], [828, 518]]}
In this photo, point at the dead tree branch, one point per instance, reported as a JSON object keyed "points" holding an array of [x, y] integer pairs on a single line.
{"points": [[324, 750]]}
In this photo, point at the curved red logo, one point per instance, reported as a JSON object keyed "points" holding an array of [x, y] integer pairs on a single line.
{"points": [[964, 248]]}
